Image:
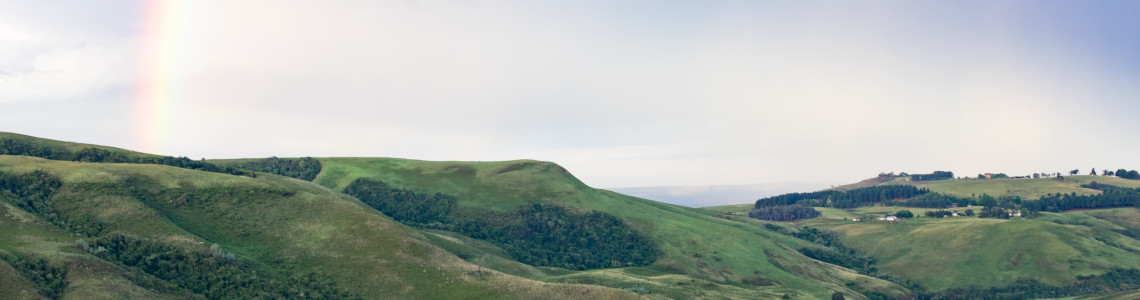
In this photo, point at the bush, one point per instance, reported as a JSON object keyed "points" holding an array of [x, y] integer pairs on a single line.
{"points": [[637, 290]]}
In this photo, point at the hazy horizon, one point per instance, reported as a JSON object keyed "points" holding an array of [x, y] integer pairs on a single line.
{"points": [[630, 94]]}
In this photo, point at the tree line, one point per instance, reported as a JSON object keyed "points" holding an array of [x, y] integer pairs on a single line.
{"points": [[845, 199], [784, 212], [91, 154], [1110, 196], [537, 234], [936, 175], [305, 168]]}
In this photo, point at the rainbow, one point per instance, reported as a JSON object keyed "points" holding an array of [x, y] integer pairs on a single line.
{"points": [[154, 86]]}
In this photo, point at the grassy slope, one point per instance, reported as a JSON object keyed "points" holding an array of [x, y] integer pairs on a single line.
{"points": [[89, 278], [1028, 189], [703, 255], [73, 147], [313, 230], [1025, 188], [1129, 295], [960, 252]]}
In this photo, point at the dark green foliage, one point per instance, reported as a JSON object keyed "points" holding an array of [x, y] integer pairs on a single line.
{"points": [[32, 192], [305, 168], [1110, 196], [551, 235], [17, 147], [845, 199], [844, 259], [938, 213], [834, 252], [837, 296], [784, 213], [213, 276], [543, 235], [904, 214], [1127, 174], [1113, 281], [49, 279], [403, 205], [932, 200], [937, 175]]}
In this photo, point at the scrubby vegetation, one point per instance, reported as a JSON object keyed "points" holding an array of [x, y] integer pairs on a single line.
{"points": [[1113, 281], [91, 154], [538, 234], [213, 274], [50, 279], [32, 192], [305, 168], [405, 206]]}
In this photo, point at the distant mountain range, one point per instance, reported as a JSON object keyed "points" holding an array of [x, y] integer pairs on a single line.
{"points": [[712, 195]]}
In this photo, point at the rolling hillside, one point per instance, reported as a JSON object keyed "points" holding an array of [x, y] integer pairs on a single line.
{"points": [[276, 226], [965, 252], [702, 255], [89, 223]]}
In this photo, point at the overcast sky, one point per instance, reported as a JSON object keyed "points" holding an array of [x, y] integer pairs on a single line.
{"points": [[622, 93]]}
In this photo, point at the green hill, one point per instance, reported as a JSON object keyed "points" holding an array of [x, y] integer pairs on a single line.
{"points": [[122, 224], [272, 224], [964, 252], [702, 255]]}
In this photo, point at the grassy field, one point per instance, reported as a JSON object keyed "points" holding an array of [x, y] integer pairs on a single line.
{"points": [[964, 251], [1028, 189], [705, 255], [1117, 181]]}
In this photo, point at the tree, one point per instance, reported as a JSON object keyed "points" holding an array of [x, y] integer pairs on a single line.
{"points": [[837, 296], [904, 214], [1093, 172], [969, 212], [1074, 172]]}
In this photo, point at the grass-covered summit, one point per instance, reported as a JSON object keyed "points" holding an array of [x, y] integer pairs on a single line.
{"points": [[126, 227]]}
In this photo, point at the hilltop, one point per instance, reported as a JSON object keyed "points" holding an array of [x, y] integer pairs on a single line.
{"points": [[84, 221], [702, 254]]}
